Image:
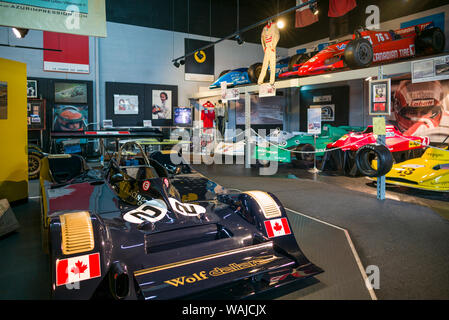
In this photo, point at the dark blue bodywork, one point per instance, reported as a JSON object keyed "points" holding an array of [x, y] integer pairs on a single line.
{"points": [[224, 251]]}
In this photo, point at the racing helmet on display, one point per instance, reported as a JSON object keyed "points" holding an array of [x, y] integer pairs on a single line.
{"points": [[69, 118], [418, 104]]}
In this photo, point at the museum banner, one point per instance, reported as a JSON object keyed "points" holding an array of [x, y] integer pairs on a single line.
{"points": [[201, 65], [83, 17]]}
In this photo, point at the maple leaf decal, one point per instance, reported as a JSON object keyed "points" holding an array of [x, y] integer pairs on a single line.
{"points": [[79, 267], [277, 226]]}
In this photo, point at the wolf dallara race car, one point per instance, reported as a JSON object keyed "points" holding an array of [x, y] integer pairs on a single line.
{"points": [[125, 233], [429, 172]]}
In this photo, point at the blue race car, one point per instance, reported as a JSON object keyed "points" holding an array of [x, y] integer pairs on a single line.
{"points": [[251, 75]]}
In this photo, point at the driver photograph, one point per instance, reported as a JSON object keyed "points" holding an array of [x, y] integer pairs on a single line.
{"points": [[162, 104]]}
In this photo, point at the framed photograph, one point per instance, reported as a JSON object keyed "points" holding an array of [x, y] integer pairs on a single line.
{"points": [[3, 100], [162, 104], [31, 89], [380, 97], [70, 118], [126, 104], [327, 111], [70, 92], [36, 114]]}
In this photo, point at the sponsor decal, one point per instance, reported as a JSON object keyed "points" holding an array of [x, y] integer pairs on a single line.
{"points": [[219, 271], [78, 269], [277, 227], [186, 209], [414, 144], [146, 185], [413, 166]]}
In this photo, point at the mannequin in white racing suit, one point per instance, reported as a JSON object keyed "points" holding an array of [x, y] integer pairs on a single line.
{"points": [[269, 38]]}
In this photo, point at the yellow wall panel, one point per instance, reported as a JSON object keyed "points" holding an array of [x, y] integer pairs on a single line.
{"points": [[13, 133]]}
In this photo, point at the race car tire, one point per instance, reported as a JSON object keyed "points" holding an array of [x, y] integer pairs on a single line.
{"points": [[254, 72], [297, 59], [223, 73], [34, 163], [358, 53], [308, 157], [430, 41], [35, 147], [367, 153]]}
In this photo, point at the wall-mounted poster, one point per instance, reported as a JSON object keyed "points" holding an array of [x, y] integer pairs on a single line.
{"points": [[162, 104], [379, 97], [421, 109], [269, 110], [31, 89], [70, 118], [3, 100], [430, 69], [327, 111], [70, 92], [126, 104]]}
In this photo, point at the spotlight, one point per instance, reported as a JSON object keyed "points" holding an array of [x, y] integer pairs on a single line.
{"points": [[239, 39], [280, 24], [20, 32], [314, 8], [182, 62], [176, 64]]}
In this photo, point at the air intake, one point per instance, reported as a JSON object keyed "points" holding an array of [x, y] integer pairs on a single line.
{"points": [[77, 233], [269, 207]]}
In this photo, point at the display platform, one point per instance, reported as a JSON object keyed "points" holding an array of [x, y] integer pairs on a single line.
{"points": [[26, 273], [407, 241]]}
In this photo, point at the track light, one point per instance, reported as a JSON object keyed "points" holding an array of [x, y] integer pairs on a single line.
{"points": [[314, 8], [239, 39], [182, 62], [280, 24], [176, 64], [20, 32]]}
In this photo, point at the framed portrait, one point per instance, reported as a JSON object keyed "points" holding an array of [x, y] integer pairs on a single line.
{"points": [[31, 89], [380, 97], [126, 104], [70, 92], [162, 104], [70, 118]]}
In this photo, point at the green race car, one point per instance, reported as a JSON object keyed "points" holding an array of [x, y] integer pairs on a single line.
{"points": [[280, 146]]}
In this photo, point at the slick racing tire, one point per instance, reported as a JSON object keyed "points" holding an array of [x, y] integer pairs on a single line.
{"points": [[308, 157], [358, 53], [297, 59], [223, 73], [254, 72], [430, 41], [369, 152], [34, 163]]}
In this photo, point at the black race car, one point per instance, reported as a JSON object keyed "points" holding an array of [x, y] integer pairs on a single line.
{"points": [[125, 233]]}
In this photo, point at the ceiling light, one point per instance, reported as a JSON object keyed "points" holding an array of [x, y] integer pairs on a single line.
{"points": [[280, 24], [20, 32], [182, 62], [176, 64]]}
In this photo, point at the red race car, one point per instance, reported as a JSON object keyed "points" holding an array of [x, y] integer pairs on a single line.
{"points": [[342, 152], [371, 46]]}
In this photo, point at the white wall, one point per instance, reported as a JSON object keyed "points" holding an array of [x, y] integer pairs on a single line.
{"points": [[135, 54]]}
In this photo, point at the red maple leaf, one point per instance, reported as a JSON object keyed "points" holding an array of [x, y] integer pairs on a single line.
{"points": [[277, 226], [79, 268]]}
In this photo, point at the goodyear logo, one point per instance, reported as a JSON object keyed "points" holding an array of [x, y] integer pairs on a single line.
{"points": [[218, 271]]}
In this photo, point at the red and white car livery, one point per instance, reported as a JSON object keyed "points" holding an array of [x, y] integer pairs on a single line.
{"points": [[371, 46]]}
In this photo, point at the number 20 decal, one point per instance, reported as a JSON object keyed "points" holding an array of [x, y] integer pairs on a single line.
{"points": [[186, 209], [145, 212]]}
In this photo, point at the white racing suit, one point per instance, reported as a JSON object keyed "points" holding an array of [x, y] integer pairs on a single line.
{"points": [[269, 38]]}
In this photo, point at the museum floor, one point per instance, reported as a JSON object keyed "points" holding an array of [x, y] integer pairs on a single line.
{"points": [[338, 223]]}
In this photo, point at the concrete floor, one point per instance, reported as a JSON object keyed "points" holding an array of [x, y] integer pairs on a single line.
{"points": [[404, 235]]}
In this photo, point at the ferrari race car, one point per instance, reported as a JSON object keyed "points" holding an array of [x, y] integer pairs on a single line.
{"points": [[340, 154], [301, 142], [373, 46], [429, 172], [251, 75], [124, 233]]}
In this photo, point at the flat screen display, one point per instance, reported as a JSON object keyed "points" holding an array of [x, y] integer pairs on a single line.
{"points": [[183, 116]]}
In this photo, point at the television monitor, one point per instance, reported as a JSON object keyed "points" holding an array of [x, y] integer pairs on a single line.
{"points": [[183, 116]]}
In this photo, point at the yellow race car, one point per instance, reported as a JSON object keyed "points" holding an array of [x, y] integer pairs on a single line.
{"points": [[430, 172]]}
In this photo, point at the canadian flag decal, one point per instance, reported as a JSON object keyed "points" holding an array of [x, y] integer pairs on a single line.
{"points": [[277, 227], [77, 269]]}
